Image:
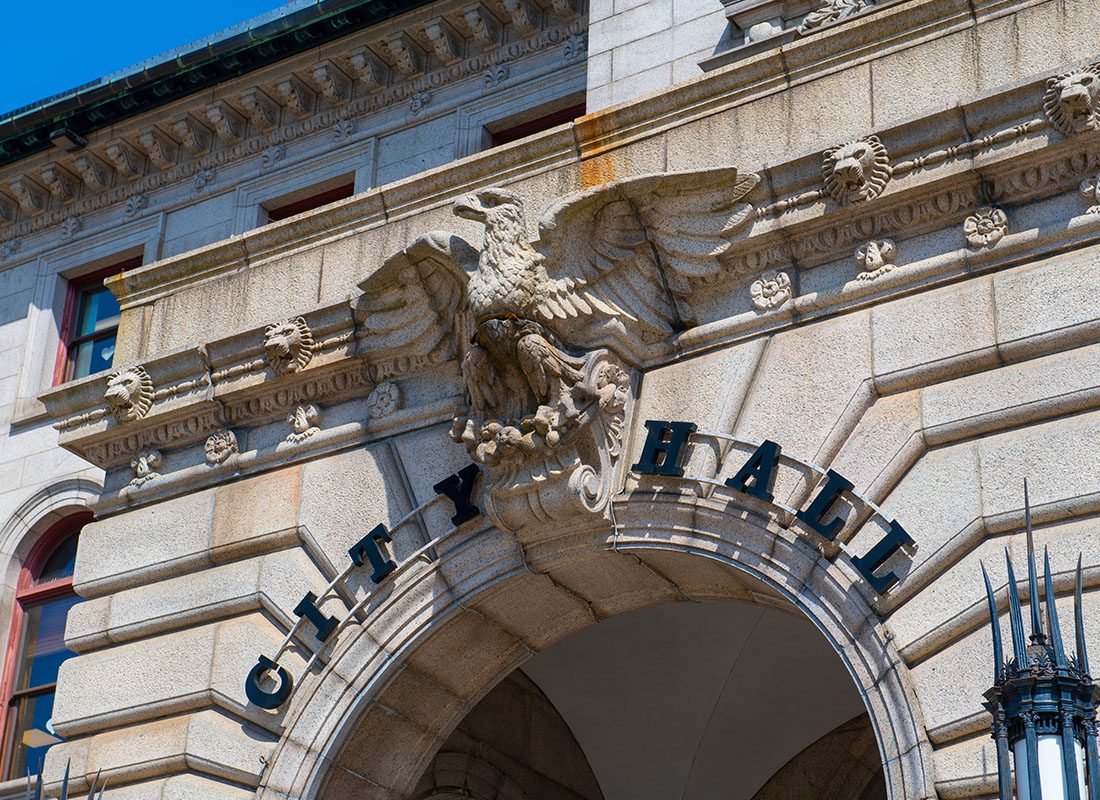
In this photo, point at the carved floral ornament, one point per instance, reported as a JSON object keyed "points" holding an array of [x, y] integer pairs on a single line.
{"points": [[145, 467], [875, 258], [383, 400], [1090, 190], [220, 447], [985, 227], [832, 11], [768, 293], [303, 421]]}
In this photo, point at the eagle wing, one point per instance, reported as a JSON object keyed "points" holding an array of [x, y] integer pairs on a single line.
{"points": [[411, 313], [623, 256]]}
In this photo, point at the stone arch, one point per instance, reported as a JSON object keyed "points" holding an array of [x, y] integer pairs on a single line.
{"points": [[37, 514], [440, 638]]}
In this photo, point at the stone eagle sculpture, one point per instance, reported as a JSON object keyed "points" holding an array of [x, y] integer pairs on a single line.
{"points": [[544, 329]]}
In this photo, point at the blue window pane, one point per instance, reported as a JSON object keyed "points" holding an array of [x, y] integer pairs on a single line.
{"points": [[92, 357], [43, 650], [34, 727], [98, 311]]}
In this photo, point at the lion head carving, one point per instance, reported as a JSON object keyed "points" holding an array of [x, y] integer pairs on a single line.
{"points": [[129, 393], [856, 171], [1072, 101], [288, 346]]}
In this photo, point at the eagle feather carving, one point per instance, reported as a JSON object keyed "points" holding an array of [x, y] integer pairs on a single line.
{"points": [[613, 267]]}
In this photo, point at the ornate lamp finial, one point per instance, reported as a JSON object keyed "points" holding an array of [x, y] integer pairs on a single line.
{"points": [[1043, 703]]}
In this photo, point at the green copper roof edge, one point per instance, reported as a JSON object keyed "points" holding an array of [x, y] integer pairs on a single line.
{"points": [[185, 73]]}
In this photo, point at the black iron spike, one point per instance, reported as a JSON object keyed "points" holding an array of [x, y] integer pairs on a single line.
{"points": [[1052, 613], [1032, 581], [95, 784], [1079, 623], [995, 621], [65, 782], [1015, 616]]}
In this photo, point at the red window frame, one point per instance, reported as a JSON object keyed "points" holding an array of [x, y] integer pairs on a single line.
{"points": [[341, 192], [543, 123], [29, 594], [63, 368]]}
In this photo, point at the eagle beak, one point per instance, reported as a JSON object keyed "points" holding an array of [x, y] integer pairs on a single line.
{"points": [[469, 207]]}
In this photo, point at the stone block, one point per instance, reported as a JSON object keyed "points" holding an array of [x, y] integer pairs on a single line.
{"points": [[639, 22], [278, 285], [255, 514], [1047, 303], [1056, 384], [161, 675], [638, 56], [611, 583], [345, 495], [887, 437], [1060, 459], [127, 550], [921, 80], [810, 390], [935, 333], [530, 607]]}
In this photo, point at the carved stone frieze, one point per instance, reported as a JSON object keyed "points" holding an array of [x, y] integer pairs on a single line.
{"points": [[129, 393], [7, 209], [220, 447], [145, 467], [482, 25], [125, 158], [288, 346], [383, 400], [331, 82], [875, 258], [1072, 100], [328, 386], [523, 15], [768, 293], [1090, 190], [407, 56], [445, 42], [70, 228], [369, 68], [136, 204], [296, 96], [496, 75], [61, 183], [419, 102], [303, 421], [385, 86], [832, 11], [856, 171], [30, 196], [985, 227]]}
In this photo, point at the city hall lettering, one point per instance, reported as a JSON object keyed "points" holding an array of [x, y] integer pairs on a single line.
{"points": [[663, 455]]}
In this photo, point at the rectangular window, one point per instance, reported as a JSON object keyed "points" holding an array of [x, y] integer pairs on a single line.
{"points": [[90, 325], [289, 206], [544, 121]]}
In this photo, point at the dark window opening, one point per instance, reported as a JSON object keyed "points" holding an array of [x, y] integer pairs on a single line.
{"points": [[289, 209], [541, 123]]}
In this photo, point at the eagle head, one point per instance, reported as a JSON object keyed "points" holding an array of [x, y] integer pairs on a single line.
{"points": [[499, 210]]}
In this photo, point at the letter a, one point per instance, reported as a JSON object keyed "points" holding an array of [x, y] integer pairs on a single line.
{"points": [[760, 469]]}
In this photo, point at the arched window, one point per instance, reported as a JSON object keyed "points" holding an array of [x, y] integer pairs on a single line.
{"points": [[36, 647]]}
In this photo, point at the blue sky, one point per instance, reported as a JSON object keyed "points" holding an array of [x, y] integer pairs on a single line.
{"points": [[50, 47]]}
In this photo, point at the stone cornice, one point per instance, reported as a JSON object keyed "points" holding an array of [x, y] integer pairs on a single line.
{"points": [[166, 155]]}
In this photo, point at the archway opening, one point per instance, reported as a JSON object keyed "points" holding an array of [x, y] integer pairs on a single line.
{"points": [[680, 701]]}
